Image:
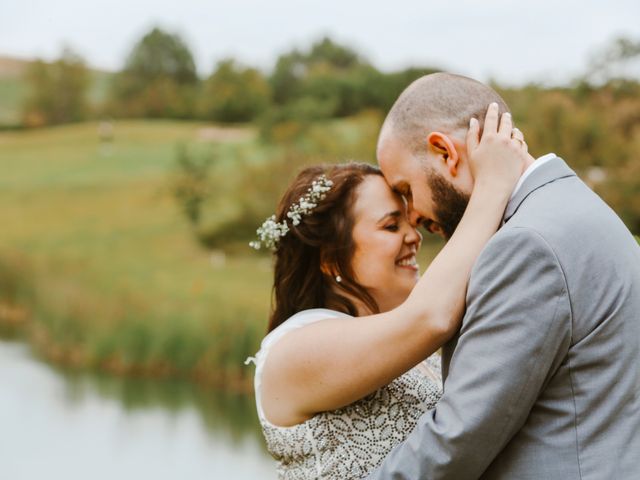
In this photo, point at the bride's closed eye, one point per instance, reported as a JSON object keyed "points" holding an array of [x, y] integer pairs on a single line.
{"points": [[393, 227]]}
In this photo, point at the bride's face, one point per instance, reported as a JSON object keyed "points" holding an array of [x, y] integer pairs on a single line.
{"points": [[386, 244]]}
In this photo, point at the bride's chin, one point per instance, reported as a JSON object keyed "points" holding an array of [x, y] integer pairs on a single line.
{"points": [[410, 277]]}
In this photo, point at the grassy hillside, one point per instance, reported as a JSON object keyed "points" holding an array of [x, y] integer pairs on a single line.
{"points": [[94, 249]]}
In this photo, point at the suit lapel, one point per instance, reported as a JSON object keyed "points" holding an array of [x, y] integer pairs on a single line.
{"points": [[552, 170]]}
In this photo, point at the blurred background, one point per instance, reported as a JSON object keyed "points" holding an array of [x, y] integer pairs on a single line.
{"points": [[142, 143]]}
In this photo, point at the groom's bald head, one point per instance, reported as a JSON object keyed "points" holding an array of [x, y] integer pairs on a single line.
{"points": [[441, 102], [422, 146]]}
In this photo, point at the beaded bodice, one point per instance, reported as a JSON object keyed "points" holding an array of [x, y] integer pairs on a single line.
{"points": [[351, 442]]}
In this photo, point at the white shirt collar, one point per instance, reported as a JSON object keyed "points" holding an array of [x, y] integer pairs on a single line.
{"points": [[537, 164]]}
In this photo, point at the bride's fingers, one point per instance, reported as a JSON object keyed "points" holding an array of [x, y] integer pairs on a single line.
{"points": [[473, 135], [491, 118], [517, 134], [506, 125]]}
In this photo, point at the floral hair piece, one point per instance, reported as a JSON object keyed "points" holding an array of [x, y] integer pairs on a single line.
{"points": [[271, 231]]}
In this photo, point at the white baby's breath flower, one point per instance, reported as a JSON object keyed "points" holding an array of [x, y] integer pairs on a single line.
{"points": [[271, 231]]}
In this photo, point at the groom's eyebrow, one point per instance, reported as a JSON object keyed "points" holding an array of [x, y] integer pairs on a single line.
{"points": [[395, 214]]}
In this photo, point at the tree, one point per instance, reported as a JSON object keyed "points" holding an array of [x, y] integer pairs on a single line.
{"points": [[58, 91], [383, 89], [190, 183], [287, 76], [328, 73], [234, 93], [159, 78], [333, 80]]}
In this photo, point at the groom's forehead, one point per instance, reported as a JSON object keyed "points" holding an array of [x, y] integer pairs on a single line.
{"points": [[395, 161]]}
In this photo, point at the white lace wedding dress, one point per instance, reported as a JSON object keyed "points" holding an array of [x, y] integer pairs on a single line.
{"points": [[350, 442]]}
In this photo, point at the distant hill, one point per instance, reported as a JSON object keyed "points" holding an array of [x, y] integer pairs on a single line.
{"points": [[13, 89], [11, 67]]}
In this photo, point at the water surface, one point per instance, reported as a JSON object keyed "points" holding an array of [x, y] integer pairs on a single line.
{"points": [[56, 425]]}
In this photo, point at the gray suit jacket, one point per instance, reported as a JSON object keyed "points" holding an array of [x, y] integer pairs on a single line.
{"points": [[543, 379]]}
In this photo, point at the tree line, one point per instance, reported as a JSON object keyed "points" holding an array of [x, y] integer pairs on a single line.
{"points": [[593, 121], [160, 80]]}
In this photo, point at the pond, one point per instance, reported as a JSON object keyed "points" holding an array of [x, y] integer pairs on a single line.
{"points": [[59, 425]]}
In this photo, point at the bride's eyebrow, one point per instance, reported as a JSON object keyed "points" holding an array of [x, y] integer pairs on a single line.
{"points": [[395, 214]]}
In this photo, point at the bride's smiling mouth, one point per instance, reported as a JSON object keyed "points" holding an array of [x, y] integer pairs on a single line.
{"points": [[408, 261]]}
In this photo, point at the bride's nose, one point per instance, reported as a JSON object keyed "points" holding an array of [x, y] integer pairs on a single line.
{"points": [[413, 236]]}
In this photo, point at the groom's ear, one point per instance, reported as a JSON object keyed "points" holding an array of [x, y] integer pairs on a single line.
{"points": [[444, 147]]}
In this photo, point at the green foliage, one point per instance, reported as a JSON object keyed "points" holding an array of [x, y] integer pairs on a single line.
{"points": [[329, 80], [159, 79], [13, 92], [57, 91], [328, 73], [294, 68], [382, 89], [15, 285], [161, 55], [595, 128], [229, 207], [107, 269], [235, 195], [234, 94], [621, 190], [190, 183]]}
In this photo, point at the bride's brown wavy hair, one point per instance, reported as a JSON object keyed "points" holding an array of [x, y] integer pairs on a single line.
{"points": [[313, 253]]}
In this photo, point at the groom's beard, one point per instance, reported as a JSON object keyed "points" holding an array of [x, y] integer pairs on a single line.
{"points": [[450, 203]]}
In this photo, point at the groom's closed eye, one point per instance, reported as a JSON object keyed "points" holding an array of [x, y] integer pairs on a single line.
{"points": [[431, 226]]}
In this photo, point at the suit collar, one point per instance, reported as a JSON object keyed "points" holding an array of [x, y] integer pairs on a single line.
{"points": [[554, 169]]}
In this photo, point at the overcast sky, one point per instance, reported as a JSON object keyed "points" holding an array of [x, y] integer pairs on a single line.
{"points": [[510, 41]]}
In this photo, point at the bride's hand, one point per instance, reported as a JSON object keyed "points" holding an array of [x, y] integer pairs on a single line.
{"points": [[498, 158]]}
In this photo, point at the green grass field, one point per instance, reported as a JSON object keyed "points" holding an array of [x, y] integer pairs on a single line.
{"points": [[96, 247]]}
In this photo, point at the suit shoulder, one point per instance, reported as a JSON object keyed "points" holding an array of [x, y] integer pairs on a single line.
{"points": [[516, 247], [519, 237]]}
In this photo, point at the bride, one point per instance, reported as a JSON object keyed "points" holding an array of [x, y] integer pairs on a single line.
{"points": [[341, 378]]}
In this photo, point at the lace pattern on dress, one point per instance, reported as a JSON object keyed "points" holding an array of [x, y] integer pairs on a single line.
{"points": [[350, 442]]}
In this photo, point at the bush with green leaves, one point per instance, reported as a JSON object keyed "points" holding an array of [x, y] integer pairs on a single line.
{"points": [[234, 93], [57, 91]]}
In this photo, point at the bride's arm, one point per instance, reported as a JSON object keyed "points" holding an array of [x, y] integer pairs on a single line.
{"points": [[332, 363]]}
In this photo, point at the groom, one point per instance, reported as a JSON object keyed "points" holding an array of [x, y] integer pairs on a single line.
{"points": [[543, 379]]}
